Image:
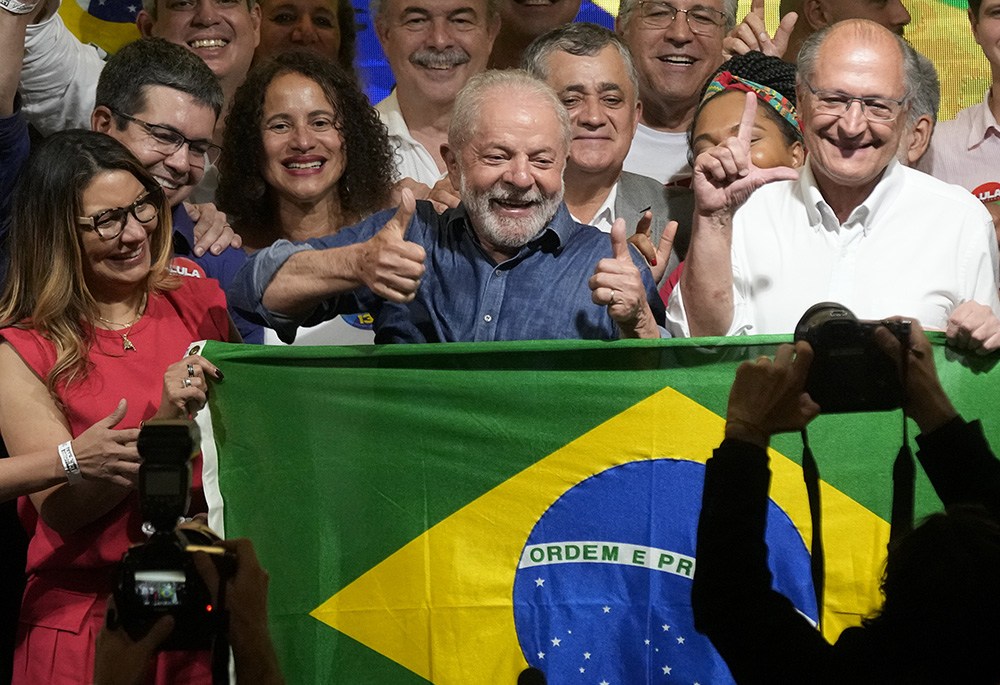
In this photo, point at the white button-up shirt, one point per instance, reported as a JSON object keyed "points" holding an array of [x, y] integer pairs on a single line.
{"points": [[915, 247], [412, 158]]}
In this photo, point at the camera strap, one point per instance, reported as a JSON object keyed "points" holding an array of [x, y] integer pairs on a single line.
{"points": [[903, 484], [817, 566]]}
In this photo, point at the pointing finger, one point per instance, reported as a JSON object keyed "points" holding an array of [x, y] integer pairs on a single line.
{"points": [[747, 121]]}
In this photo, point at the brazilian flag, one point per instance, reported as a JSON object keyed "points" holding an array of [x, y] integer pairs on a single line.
{"points": [[454, 513]]}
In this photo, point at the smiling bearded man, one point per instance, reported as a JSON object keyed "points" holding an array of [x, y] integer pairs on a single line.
{"points": [[508, 263], [853, 227]]}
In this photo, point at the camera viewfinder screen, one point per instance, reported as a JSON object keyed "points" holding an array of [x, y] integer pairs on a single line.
{"points": [[159, 588]]}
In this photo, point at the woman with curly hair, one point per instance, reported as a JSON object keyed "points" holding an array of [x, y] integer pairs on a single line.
{"points": [[305, 153], [94, 330]]}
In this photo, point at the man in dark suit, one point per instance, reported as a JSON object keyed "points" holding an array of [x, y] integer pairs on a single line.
{"points": [[591, 70]]}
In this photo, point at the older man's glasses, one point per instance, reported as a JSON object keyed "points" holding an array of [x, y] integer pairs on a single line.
{"points": [[168, 141], [110, 224], [835, 103], [660, 15]]}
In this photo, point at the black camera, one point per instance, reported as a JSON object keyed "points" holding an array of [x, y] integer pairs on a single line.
{"points": [[850, 372], [159, 577]]}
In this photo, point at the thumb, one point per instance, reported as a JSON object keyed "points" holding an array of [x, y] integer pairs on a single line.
{"points": [[401, 221], [115, 417], [778, 173], [619, 244], [666, 244], [158, 633], [783, 34]]}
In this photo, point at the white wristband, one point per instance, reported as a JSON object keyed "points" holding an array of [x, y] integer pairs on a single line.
{"points": [[16, 7], [72, 468]]}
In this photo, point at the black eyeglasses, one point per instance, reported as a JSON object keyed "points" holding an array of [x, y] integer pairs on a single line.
{"points": [[110, 223], [170, 141], [837, 103], [702, 21]]}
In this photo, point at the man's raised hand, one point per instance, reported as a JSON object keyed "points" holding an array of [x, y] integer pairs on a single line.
{"points": [[751, 34], [725, 176], [658, 256], [617, 284], [391, 266]]}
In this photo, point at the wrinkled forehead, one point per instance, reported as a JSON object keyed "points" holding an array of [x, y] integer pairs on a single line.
{"points": [[398, 7], [860, 64]]}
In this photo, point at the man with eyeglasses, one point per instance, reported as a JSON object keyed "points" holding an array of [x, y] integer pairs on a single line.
{"points": [[677, 45], [162, 103], [59, 72], [852, 226]]}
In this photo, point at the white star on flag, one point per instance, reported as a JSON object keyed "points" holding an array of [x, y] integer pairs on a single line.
{"points": [[666, 670], [680, 640], [539, 582], [556, 641], [607, 610]]}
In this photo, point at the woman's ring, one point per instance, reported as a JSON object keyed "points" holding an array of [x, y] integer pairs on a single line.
{"points": [[187, 382], [190, 370]]}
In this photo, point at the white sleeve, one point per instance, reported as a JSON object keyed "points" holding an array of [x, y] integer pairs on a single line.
{"points": [[58, 77], [742, 324], [982, 267]]}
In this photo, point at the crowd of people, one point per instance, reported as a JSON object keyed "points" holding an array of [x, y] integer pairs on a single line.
{"points": [[224, 177]]}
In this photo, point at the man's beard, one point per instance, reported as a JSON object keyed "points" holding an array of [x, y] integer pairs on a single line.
{"points": [[504, 231]]}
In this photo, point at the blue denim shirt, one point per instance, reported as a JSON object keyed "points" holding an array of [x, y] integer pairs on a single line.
{"points": [[222, 267], [540, 293]]}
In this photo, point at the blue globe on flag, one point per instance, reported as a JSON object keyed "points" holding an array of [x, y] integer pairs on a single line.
{"points": [[602, 594]]}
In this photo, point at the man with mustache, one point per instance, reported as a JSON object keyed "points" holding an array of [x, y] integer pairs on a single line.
{"points": [[434, 47], [508, 263]]}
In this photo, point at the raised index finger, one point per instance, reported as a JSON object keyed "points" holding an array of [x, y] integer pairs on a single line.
{"points": [[757, 7], [748, 119]]}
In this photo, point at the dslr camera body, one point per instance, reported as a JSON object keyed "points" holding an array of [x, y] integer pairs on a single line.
{"points": [[850, 372], [159, 577]]}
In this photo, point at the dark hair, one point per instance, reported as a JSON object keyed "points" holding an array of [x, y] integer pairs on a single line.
{"points": [[939, 622], [765, 70], [46, 289], [581, 39], [974, 5], [348, 24], [369, 172], [154, 62]]}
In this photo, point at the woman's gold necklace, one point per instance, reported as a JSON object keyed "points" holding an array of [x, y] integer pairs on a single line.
{"points": [[126, 343]]}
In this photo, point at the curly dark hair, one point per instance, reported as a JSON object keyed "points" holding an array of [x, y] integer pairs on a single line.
{"points": [[369, 173], [765, 70]]}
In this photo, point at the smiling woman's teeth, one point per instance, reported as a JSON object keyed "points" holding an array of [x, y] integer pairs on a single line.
{"points": [[304, 165], [209, 43]]}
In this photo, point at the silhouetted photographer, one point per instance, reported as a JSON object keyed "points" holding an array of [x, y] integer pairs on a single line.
{"points": [[938, 622]]}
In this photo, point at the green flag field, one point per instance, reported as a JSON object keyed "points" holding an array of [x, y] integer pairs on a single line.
{"points": [[453, 513]]}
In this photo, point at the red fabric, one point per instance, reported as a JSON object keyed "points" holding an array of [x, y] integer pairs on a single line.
{"points": [[69, 578], [672, 280]]}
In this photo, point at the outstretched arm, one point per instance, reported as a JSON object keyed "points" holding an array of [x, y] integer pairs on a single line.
{"points": [[387, 263], [724, 177]]}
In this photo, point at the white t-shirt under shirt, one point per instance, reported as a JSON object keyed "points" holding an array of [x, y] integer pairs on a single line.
{"points": [[659, 154]]}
